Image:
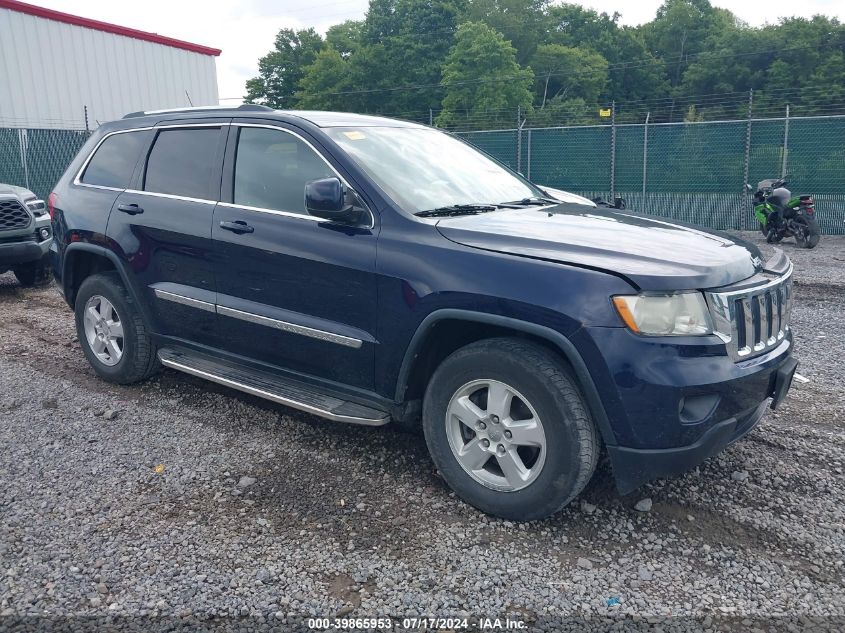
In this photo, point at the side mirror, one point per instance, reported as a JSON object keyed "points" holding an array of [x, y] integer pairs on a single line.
{"points": [[328, 198]]}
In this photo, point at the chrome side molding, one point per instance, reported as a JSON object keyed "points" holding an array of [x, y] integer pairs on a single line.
{"points": [[183, 300], [250, 317], [293, 328]]}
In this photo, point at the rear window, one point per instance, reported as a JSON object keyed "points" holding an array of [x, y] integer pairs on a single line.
{"points": [[114, 161], [181, 163]]}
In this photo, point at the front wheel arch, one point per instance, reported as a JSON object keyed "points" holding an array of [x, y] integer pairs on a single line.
{"points": [[555, 340]]}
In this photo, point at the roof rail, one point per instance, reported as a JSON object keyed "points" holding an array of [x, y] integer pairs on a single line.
{"points": [[252, 107]]}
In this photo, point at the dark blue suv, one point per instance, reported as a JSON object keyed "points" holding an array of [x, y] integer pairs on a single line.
{"points": [[365, 270]]}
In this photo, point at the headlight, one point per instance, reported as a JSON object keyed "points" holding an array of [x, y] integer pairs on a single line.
{"points": [[678, 314], [37, 207]]}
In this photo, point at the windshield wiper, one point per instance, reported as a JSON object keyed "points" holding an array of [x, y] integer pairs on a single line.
{"points": [[457, 209], [533, 201]]}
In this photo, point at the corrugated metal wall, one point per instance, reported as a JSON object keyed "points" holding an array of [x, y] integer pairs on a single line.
{"points": [[49, 72]]}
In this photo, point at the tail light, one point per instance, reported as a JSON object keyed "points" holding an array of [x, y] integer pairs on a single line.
{"points": [[51, 204]]}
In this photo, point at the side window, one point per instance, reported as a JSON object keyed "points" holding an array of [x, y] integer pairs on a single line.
{"points": [[181, 162], [114, 161], [272, 168]]}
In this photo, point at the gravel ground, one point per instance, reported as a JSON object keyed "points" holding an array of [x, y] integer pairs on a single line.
{"points": [[177, 502]]}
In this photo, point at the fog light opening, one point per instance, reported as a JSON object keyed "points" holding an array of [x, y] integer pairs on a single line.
{"points": [[696, 409]]}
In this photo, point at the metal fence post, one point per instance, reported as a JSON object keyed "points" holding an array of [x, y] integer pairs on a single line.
{"points": [[612, 150], [744, 204], [645, 151], [22, 146], [431, 117], [519, 124], [528, 156], [785, 143]]}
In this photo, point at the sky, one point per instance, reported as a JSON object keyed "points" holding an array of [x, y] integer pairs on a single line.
{"points": [[245, 30]]}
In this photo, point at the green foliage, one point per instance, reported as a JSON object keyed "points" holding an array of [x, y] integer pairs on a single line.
{"points": [[345, 37], [566, 72], [482, 76], [324, 79], [282, 68], [522, 22], [404, 59]]}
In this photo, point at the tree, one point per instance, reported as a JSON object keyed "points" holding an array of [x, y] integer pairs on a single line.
{"points": [[634, 73], [521, 22], [346, 37], [282, 68], [482, 77], [323, 79], [414, 36], [567, 72], [681, 28]]}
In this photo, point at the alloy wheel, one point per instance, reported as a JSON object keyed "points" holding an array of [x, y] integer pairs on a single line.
{"points": [[103, 330], [496, 435]]}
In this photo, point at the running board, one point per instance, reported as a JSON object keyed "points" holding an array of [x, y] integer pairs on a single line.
{"points": [[265, 385]]}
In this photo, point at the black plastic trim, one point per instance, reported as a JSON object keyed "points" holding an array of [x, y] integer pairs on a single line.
{"points": [[119, 267], [633, 467], [566, 347]]}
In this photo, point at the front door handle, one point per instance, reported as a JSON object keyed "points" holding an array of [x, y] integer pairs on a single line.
{"points": [[238, 226], [131, 209]]}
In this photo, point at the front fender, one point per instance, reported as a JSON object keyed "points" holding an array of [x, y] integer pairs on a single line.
{"points": [[561, 342]]}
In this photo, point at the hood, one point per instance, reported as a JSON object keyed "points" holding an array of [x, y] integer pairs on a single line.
{"points": [[20, 192], [652, 253]]}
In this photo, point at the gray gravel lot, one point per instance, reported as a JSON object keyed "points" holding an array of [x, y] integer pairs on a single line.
{"points": [[185, 501]]}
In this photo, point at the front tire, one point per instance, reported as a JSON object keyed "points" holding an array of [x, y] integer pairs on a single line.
{"points": [[111, 331], [34, 274], [508, 429]]}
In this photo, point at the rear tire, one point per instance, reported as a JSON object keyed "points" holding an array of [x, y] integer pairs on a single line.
{"points": [[811, 235], [553, 447], [34, 274], [103, 308]]}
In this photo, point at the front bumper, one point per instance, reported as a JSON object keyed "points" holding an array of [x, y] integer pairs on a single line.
{"points": [[23, 252], [673, 404], [24, 246]]}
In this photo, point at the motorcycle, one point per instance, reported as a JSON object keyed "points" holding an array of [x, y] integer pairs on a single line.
{"points": [[781, 214]]}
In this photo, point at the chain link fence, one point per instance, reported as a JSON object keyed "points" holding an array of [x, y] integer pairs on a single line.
{"points": [[690, 171], [36, 158]]}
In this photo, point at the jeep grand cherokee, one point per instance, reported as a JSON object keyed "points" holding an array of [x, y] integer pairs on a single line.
{"points": [[365, 269]]}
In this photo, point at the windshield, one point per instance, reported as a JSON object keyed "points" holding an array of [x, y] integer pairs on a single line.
{"points": [[423, 169]]}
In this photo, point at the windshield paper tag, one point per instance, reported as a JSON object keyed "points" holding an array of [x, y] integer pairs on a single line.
{"points": [[355, 135]]}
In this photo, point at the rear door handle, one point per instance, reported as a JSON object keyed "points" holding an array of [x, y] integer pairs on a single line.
{"points": [[131, 209], [238, 226]]}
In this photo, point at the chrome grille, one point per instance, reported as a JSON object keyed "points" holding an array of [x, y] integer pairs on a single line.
{"points": [[13, 215], [753, 320]]}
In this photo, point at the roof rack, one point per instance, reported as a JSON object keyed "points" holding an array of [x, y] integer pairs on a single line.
{"points": [[250, 107]]}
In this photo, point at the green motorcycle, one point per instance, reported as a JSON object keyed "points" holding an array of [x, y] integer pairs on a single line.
{"points": [[781, 214]]}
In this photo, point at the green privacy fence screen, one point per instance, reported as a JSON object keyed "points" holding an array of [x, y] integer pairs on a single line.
{"points": [[694, 172], [36, 158]]}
